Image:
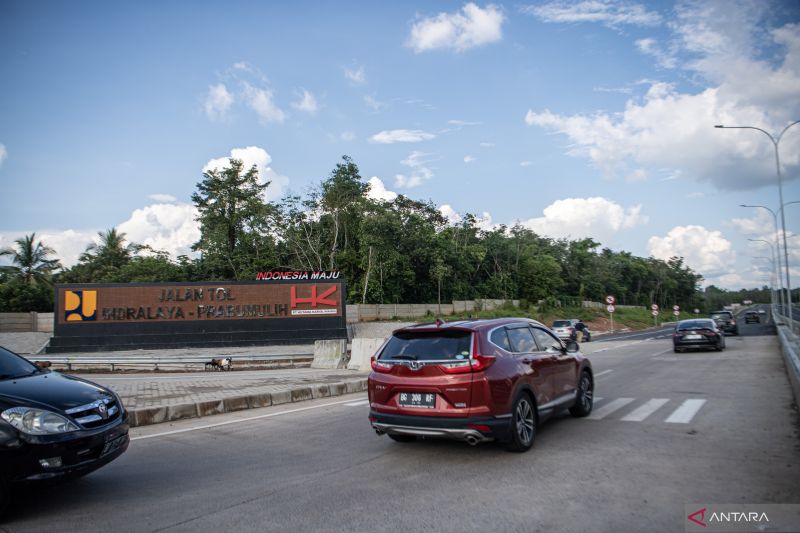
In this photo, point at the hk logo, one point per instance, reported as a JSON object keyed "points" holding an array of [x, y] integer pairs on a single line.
{"points": [[698, 517], [80, 306], [314, 300]]}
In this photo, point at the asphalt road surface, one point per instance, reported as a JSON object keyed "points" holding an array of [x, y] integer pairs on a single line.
{"points": [[670, 429]]}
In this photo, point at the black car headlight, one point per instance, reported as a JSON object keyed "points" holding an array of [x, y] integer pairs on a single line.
{"points": [[34, 421]]}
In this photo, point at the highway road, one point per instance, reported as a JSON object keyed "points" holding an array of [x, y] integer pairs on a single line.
{"points": [[670, 429]]}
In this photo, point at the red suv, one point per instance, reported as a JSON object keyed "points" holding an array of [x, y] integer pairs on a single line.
{"points": [[476, 381]]}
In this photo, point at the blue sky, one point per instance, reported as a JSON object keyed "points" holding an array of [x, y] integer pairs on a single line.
{"points": [[588, 118]]}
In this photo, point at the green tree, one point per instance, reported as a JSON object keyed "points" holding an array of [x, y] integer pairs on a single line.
{"points": [[30, 261], [234, 220]]}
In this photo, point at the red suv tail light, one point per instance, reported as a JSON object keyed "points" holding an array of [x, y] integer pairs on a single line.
{"points": [[380, 366], [482, 362]]}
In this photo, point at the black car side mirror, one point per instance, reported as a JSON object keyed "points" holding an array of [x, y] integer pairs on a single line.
{"points": [[572, 346]]}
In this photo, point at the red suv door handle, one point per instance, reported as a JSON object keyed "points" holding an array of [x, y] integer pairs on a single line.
{"points": [[527, 361]]}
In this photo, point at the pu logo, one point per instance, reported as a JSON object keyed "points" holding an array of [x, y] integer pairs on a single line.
{"points": [[80, 305]]}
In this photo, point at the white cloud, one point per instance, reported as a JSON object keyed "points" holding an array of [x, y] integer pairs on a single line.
{"points": [[260, 101], [253, 155], [612, 13], [347, 136], [525, 163], [3, 153], [706, 252], [306, 103], [463, 123], [760, 226], [401, 136], [378, 191], [469, 158], [651, 47], [420, 172], [577, 218], [373, 104], [471, 27], [450, 214], [487, 145], [356, 75], [162, 198], [218, 101], [169, 227], [723, 46], [68, 244]]}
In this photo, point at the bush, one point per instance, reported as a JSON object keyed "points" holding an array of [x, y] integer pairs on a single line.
{"points": [[18, 297]]}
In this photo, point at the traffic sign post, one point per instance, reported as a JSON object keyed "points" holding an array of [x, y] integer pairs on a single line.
{"points": [[654, 308], [610, 300], [676, 310]]}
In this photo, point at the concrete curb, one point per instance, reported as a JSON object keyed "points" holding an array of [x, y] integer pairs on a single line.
{"points": [[168, 413]]}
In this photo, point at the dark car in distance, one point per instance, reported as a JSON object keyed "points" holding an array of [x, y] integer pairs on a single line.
{"points": [[476, 381], [697, 333], [53, 426], [751, 317], [725, 321]]}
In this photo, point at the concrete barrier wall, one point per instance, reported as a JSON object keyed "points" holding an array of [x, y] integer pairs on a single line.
{"points": [[24, 322], [361, 352], [330, 354]]}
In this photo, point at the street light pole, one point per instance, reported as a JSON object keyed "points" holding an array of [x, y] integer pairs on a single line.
{"points": [[781, 299], [774, 266], [775, 143]]}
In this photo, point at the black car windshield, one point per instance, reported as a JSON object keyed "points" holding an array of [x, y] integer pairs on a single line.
{"points": [[428, 346], [562, 324], [696, 324], [14, 366]]}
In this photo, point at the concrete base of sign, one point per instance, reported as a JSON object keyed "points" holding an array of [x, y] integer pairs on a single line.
{"points": [[330, 354], [361, 352]]}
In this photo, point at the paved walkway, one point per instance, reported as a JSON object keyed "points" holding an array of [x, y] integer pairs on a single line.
{"points": [[154, 398]]}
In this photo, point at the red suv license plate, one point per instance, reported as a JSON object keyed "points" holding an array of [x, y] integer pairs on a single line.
{"points": [[426, 400]]}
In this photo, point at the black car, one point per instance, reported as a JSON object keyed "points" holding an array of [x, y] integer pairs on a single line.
{"points": [[752, 317], [725, 321], [697, 333], [53, 426]]}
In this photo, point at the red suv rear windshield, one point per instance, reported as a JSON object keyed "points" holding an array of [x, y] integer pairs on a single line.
{"points": [[428, 346]]}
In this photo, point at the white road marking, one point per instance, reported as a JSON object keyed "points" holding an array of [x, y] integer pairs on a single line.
{"points": [[607, 409], [645, 410], [357, 404], [685, 413], [238, 420], [662, 353], [603, 373]]}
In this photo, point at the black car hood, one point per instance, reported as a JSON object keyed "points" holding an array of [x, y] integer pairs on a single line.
{"points": [[50, 389]]}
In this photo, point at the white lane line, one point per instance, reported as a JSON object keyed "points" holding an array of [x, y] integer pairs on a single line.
{"points": [[237, 421], [358, 403], [662, 353], [685, 413], [603, 373], [598, 399], [645, 410], [607, 409]]}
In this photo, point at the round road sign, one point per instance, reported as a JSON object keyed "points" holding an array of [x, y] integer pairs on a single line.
{"points": [[696, 311], [655, 312], [676, 313], [611, 308], [610, 300], [676, 308], [654, 307]]}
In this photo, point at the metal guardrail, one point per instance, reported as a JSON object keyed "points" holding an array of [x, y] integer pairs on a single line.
{"points": [[163, 362]]}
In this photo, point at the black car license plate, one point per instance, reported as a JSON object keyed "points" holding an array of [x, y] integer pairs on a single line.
{"points": [[425, 400]]}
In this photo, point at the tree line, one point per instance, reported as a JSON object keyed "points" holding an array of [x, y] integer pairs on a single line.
{"points": [[398, 251]]}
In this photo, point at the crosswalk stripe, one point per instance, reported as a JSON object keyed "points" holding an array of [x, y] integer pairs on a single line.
{"points": [[686, 411], [356, 404], [645, 410], [609, 408]]}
